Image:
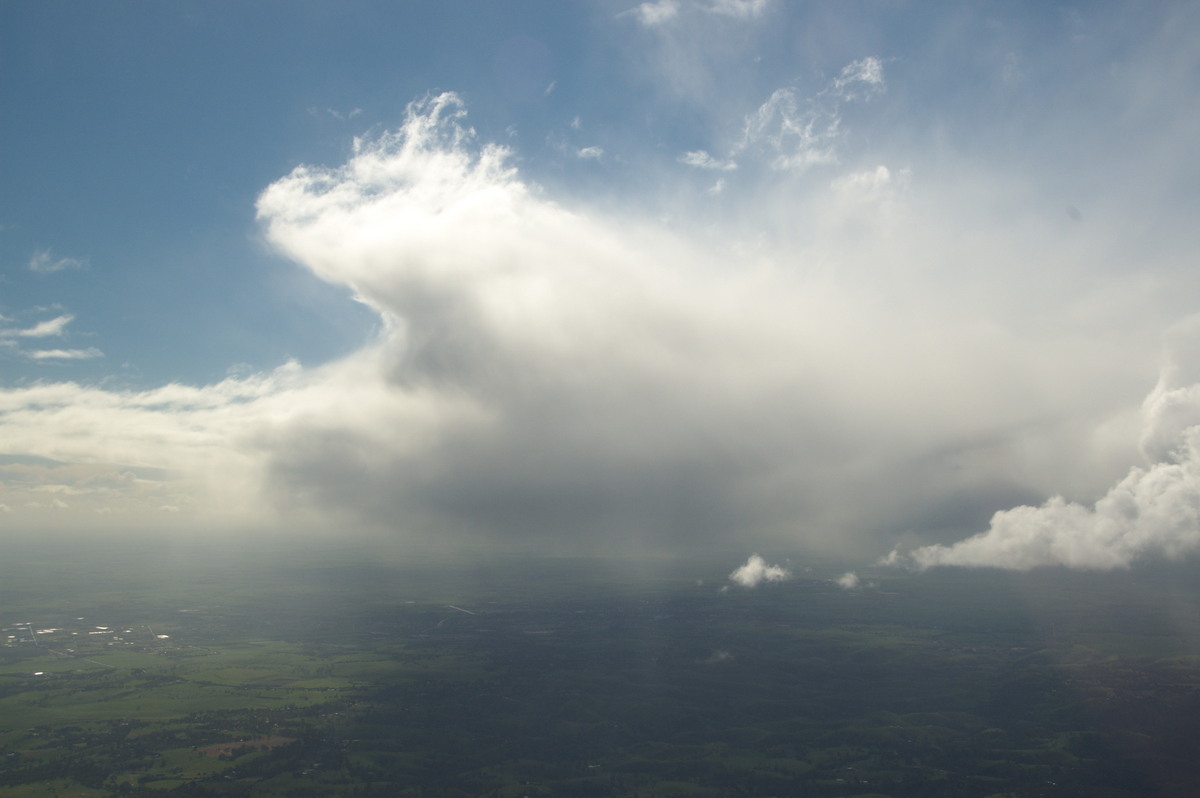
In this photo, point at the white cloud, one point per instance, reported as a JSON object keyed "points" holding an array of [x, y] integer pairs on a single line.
{"points": [[655, 13], [336, 114], [697, 51], [796, 132], [702, 160], [63, 354], [45, 262], [835, 359], [739, 9], [43, 329], [659, 12], [592, 153], [859, 79], [1153, 512], [755, 571], [122, 455], [797, 136], [877, 183], [848, 581]]}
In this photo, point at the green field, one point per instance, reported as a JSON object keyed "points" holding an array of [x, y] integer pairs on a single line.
{"points": [[323, 673]]}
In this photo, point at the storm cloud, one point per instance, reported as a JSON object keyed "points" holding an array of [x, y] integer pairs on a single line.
{"points": [[896, 316], [557, 375]]}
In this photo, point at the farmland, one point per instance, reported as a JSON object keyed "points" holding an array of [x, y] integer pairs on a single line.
{"points": [[333, 672]]}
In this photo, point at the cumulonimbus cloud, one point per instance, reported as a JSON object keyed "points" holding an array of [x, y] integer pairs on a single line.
{"points": [[548, 374], [591, 378]]}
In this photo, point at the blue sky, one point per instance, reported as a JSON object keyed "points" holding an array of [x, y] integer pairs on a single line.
{"points": [[849, 277]]}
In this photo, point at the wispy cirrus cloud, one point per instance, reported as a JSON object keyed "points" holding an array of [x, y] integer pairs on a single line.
{"points": [[702, 160], [63, 354], [739, 9], [654, 13], [12, 338], [44, 261], [660, 12], [42, 329], [795, 132]]}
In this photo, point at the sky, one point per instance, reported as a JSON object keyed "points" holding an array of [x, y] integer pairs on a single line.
{"points": [[908, 283]]}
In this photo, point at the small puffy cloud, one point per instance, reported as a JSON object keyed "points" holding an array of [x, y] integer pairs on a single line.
{"points": [[592, 153], [45, 262], [756, 570], [848, 581]]}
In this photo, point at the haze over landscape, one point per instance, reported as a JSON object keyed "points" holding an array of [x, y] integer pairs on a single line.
{"points": [[869, 280]]}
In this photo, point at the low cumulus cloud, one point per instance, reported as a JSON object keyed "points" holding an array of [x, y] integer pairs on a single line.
{"points": [[16, 339], [848, 581], [1153, 512], [756, 571], [122, 455]]}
